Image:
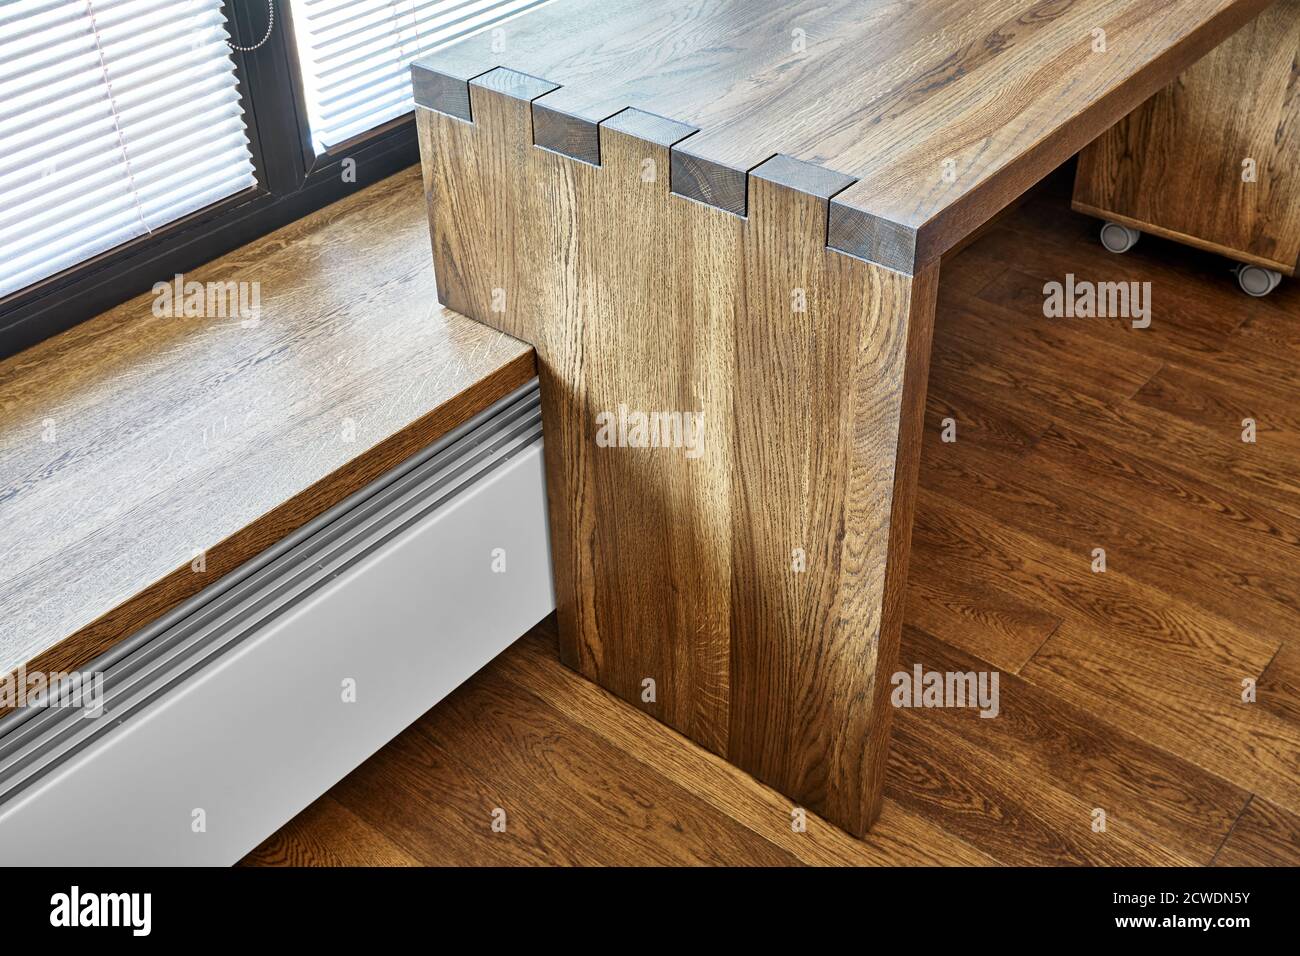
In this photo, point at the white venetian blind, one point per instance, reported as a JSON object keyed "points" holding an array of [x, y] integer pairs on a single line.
{"points": [[356, 54], [116, 118]]}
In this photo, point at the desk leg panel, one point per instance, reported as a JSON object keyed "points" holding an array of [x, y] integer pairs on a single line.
{"points": [[752, 570]]}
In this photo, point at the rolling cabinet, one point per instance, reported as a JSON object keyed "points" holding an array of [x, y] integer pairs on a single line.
{"points": [[1212, 160]]}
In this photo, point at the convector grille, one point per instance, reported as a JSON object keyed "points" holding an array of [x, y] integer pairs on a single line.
{"points": [[37, 739]]}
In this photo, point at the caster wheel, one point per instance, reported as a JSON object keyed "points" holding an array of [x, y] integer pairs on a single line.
{"points": [[1257, 281], [1118, 238]]}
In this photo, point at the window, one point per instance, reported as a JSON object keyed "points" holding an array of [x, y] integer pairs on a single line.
{"points": [[356, 55], [117, 117], [142, 138]]}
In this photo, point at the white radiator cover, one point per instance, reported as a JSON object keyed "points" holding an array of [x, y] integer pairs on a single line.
{"points": [[257, 734]]}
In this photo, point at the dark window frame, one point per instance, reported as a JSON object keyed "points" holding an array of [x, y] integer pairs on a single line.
{"points": [[292, 181]]}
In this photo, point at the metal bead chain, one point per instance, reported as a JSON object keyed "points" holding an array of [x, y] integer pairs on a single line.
{"points": [[270, 24]]}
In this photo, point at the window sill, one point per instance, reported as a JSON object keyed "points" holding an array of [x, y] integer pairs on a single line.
{"points": [[146, 456]]}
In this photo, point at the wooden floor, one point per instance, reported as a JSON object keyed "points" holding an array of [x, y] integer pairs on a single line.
{"points": [[1120, 691]]}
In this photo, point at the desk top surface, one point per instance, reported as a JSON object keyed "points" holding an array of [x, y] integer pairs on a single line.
{"points": [[131, 441], [939, 111]]}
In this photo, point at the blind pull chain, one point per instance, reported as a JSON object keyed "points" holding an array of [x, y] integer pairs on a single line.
{"points": [[117, 124], [415, 22], [270, 25]]}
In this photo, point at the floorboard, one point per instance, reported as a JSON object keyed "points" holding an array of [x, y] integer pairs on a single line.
{"points": [[1265, 835], [328, 834]]}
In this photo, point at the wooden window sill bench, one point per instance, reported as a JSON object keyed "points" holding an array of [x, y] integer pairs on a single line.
{"points": [[132, 444]]}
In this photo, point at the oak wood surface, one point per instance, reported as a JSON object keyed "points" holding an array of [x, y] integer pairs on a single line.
{"points": [[1159, 738], [1264, 835], [897, 837], [618, 808], [328, 834], [1160, 802], [1174, 166], [759, 585], [132, 441], [942, 111]]}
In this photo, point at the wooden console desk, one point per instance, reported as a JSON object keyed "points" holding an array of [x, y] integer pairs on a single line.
{"points": [[737, 210]]}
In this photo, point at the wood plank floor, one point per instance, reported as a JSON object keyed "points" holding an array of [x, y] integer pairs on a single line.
{"points": [[1120, 691]]}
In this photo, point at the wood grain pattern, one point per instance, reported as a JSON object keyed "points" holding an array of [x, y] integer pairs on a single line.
{"points": [[1174, 166], [492, 744], [898, 837], [1160, 802], [175, 434], [1026, 504], [1193, 319], [1265, 835], [328, 834], [818, 469], [1005, 630], [493, 230], [942, 115], [682, 568], [1279, 687], [1198, 709]]}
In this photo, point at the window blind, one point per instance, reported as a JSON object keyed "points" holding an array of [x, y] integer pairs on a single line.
{"points": [[356, 55], [116, 118]]}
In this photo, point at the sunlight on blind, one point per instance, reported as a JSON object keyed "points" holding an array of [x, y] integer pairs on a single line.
{"points": [[116, 118], [356, 54]]}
